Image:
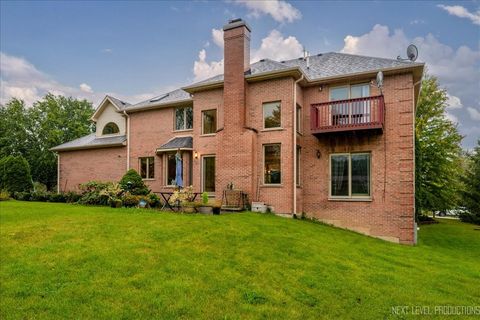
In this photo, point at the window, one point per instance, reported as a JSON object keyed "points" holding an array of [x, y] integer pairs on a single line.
{"points": [[297, 165], [171, 170], [350, 112], [183, 118], [272, 115], [110, 128], [147, 168], [208, 173], [350, 175], [209, 121], [272, 164], [299, 119]]}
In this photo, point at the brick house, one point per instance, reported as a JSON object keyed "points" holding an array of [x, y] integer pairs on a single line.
{"points": [[311, 136]]}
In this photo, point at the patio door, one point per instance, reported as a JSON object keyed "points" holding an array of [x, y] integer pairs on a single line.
{"points": [[208, 173]]}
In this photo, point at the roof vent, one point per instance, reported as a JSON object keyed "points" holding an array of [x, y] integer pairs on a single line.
{"points": [[262, 60], [320, 54]]}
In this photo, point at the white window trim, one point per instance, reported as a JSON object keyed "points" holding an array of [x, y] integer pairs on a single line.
{"points": [[350, 196], [300, 122], [263, 165], [202, 178], [263, 116], [147, 170], [184, 119], [216, 124]]}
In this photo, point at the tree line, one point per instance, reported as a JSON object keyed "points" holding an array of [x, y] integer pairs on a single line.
{"points": [[446, 177]]}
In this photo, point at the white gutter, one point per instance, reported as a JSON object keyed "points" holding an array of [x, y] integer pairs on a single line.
{"points": [[295, 144], [128, 139]]}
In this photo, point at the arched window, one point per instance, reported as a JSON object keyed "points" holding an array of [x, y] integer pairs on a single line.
{"points": [[110, 128]]}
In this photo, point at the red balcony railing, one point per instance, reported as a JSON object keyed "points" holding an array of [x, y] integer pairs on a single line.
{"points": [[348, 115]]}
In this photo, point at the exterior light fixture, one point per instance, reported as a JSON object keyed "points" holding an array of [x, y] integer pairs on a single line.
{"points": [[195, 154], [318, 154]]}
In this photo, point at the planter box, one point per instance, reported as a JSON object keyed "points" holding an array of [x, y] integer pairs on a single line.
{"points": [[205, 209], [259, 207]]}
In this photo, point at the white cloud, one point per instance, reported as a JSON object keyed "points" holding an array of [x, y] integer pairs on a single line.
{"points": [[462, 12], [86, 88], [453, 102], [107, 50], [278, 48], [21, 79], [275, 46], [217, 37], [279, 10], [457, 69], [417, 21], [474, 113], [203, 69]]}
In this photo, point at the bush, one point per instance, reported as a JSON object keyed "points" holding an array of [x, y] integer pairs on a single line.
{"points": [[4, 195], [15, 174], [72, 197], [153, 200], [22, 196], [57, 197], [466, 216], [205, 198], [113, 192], [39, 196], [133, 183], [93, 193], [39, 187], [130, 200]]}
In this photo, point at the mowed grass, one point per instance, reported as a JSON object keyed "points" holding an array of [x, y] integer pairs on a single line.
{"points": [[63, 261]]}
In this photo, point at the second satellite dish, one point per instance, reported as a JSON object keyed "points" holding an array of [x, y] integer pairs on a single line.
{"points": [[380, 79], [412, 53]]}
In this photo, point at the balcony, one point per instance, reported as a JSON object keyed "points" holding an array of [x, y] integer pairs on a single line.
{"points": [[348, 115]]}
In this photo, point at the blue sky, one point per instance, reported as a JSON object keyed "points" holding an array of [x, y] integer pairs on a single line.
{"points": [[135, 49]]}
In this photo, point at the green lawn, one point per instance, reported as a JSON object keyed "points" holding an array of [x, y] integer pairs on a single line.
{"points": [[70, 261]]}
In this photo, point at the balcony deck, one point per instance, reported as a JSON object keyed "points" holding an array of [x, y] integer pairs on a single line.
{"points": [[348, 115]]}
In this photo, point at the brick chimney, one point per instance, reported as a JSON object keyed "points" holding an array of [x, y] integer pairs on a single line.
{"points": [[236, 154], [236, 35]]}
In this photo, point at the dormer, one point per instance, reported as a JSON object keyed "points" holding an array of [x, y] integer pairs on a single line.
{"points": [[109, 119]]}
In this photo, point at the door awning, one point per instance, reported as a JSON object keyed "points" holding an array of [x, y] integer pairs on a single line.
{"points": [[182, 143]]}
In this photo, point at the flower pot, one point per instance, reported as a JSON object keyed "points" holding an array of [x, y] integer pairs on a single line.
{"points": [[216, 210], [204, 209]]}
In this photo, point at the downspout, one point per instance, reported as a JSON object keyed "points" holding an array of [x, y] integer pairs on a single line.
{"points": [[128, 139], [58, 172], [295, 145]]}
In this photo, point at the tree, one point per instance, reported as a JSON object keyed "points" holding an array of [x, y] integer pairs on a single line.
{"points": [[31, 132], [437, 152], [15, 174], [471, 194]]}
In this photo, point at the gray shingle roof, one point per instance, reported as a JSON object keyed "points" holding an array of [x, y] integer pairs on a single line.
{"points": [[91, 141], [119, 103], [322, 66], [177, 142], [167, 98]]}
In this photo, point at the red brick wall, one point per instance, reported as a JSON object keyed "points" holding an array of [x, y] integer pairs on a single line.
{"points": [[76, 167], [390, 213]]}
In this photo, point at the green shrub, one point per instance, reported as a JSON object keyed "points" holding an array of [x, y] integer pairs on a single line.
{"points": [[15, 174], [57, 197], [93, 193], [133, 183], [39, 196], [130, 200], [39, 187], [153, 200], [22, 196], [72, 197], [4, 195], [113, 192], [205, 198]]}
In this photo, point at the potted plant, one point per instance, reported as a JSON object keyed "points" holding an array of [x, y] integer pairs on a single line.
{"points": [[205, 207]]}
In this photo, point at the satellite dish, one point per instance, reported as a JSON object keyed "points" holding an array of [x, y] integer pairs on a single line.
{"points": [[380, 79], [412, 53]]}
